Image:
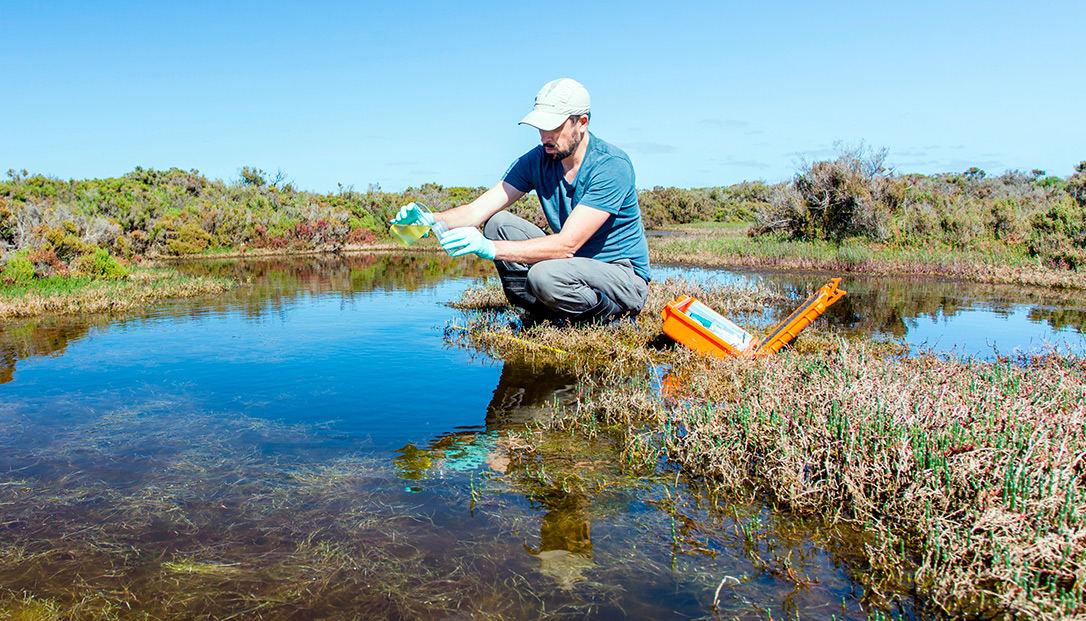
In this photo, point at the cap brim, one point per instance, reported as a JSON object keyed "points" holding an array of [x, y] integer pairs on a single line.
{"points": [[546, 121]]}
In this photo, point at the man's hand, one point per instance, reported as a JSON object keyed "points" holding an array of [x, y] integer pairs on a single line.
{"points": [[412, 213], [467, 240]]}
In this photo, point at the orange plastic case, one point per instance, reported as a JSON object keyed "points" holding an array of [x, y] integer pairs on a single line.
{"points": [[699, 327]]}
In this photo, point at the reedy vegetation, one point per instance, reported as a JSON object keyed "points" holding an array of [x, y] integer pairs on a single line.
{"points": [[969, 474]]}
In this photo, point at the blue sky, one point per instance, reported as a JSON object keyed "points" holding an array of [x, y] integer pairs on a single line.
{"points": [[400, 94]]}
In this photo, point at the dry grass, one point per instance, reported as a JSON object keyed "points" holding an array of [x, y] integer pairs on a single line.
{"points": [[705, 245], [140, 288], [969, 475]]}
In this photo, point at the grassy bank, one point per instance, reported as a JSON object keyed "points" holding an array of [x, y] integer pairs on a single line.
{"points": [[732, 245], [969, 475], [74, 295]]}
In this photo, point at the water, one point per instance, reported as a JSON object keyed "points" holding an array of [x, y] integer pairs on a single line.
{"points": [[309, 445]]}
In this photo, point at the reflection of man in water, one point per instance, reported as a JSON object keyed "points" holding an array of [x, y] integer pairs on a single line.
{"points": [[524, 393], [565, 538]]}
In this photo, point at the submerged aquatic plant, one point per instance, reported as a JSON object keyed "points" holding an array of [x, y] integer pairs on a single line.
{"points": [[160, 511]]}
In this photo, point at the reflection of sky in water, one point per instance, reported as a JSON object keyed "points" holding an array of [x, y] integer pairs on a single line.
{"points": [[704, 275], [371, 367], [975, 325], [984, 332]]}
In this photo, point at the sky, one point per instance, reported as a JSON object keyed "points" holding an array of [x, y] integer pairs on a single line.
{"points": [[398, 94]]}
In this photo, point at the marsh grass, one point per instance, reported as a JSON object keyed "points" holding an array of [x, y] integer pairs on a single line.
{"points": [[968, 476], [995, 263], [65, 295]]}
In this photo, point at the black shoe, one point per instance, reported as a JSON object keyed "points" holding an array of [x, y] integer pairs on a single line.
{"points": [[603, 313], [536, 313]]}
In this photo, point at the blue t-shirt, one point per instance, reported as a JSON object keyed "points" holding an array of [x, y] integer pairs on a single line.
{"points": [[604, 181]]}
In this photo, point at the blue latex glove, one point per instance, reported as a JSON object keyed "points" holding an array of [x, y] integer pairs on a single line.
{"points": [[467, 240], [412, 213]]}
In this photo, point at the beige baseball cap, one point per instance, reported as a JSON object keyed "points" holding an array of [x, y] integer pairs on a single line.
{"points": [[556, 102]]}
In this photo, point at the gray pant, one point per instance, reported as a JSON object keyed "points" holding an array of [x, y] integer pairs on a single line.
{"points": [[566, 286]]}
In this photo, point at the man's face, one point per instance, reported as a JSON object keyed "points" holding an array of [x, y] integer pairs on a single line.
{"points": [[561, 142]]}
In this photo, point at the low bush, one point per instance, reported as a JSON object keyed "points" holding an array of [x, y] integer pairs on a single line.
{"points": [[1058, 235], [661, 206], [848, 197], [1076, 185], [854, 196], [47, 264], [16, 269], [7, 225], [99, 265]]}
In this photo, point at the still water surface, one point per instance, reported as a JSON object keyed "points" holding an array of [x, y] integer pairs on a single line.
{"points": [[309, 446]]}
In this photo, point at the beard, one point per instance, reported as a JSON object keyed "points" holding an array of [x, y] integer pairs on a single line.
{"points": [[560, 154]]}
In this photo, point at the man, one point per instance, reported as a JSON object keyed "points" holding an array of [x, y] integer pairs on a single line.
{"points": [[595, 266]]}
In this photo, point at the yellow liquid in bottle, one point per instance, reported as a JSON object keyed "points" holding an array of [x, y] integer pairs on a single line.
{"points": [[408, 234]]}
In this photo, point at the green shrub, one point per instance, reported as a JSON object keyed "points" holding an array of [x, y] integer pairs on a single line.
{"points": [[1058, 236], [848, 197], [64, 241], [1076, 185], [99, 264], [181, 232], [664, 206], [189, 238], [16, 270]]}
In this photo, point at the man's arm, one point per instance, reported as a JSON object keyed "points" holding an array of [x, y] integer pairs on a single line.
{"points": [[581, 224], [479, 210]]}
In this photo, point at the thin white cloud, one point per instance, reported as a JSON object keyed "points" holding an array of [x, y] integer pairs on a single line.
{"points": [[649, 148]]}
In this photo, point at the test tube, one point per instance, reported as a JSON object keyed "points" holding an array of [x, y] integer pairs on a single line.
{"points": [[439, 228]]}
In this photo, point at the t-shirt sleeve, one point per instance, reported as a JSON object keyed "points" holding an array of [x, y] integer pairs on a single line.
{"points": [[521, 172], [609, 185]]}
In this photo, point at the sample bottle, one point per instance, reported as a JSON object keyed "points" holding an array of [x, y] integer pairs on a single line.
{"points": [[408, 234]]}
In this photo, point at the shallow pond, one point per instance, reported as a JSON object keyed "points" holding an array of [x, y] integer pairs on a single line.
{"points": [[308, 445]]}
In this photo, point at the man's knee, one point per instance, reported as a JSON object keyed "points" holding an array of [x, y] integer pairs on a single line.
{"points": [[504, 225], [551, 283]]}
